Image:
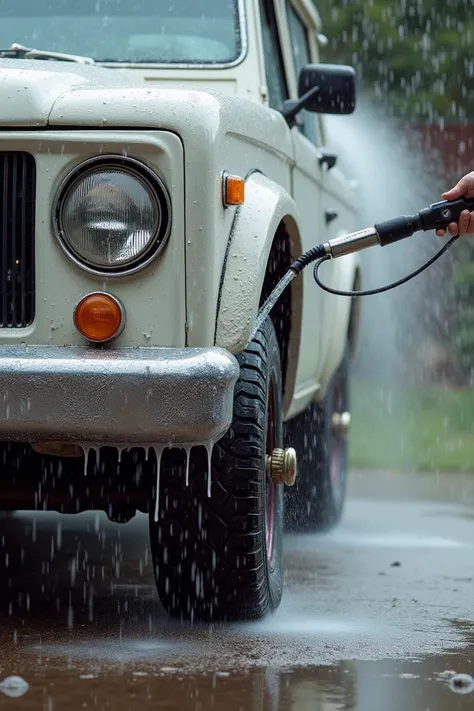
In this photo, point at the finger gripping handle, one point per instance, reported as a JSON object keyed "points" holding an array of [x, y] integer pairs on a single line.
{"points": [[439, 215]]}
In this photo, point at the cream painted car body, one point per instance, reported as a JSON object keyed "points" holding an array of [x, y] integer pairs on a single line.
{"points": [[189, 124]]}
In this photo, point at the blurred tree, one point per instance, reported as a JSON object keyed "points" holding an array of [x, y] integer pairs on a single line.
{"points": [[415, 54]]}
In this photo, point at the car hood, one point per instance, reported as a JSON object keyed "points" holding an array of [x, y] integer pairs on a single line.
{"points": [[30, 88], [41, 93]]}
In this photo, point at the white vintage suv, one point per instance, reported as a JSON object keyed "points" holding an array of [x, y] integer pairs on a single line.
{"points": [[157, 178]]}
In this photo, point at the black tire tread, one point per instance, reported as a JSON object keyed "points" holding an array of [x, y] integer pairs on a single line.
{"points": [[309, 505], [224, 531]]}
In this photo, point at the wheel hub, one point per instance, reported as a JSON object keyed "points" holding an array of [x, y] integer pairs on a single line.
{"points": [[340, 424], [281, 466]]}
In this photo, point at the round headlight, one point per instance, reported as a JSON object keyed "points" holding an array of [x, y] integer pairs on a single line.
{"points": [[112, 215]]}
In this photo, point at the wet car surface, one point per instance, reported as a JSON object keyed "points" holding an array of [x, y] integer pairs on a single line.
{"points": [[376, 614]]}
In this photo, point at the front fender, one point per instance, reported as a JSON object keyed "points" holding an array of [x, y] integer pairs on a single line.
{"points": [[266, 205]]}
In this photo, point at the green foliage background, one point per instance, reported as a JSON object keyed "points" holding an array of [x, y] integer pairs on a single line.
{"points": [[416, 55]]}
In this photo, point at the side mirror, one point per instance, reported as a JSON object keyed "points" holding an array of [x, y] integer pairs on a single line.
{"points": [[336, 83], [324, 89]]}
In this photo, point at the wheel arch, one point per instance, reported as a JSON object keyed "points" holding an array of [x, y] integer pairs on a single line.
{"points": [[286, 316], [254, 265]]}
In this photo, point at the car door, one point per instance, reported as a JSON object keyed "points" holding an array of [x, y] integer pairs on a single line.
{"points": [[308, 183], [279, 79], [335, 215]]}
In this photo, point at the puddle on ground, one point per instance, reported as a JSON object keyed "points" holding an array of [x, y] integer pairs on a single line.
{"points": [[415, 685]]}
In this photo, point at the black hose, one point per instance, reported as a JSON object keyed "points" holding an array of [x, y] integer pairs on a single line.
{"points": [[310, 256], [380, 290]]}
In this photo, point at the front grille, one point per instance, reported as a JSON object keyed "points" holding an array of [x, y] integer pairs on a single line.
{"points": [[17, 239]]}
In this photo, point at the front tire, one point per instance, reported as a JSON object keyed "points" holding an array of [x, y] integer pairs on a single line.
{"points": [[316, 502], [220, 557]]}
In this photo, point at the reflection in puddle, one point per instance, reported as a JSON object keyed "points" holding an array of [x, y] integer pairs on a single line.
{"points": [[14, 687], [461, 683]]}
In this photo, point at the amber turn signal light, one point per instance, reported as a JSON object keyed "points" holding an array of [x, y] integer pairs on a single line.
{"points": [[233, 190], [99, 317]]}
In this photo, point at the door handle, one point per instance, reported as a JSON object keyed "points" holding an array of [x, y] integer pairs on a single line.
{"points": [[330, 215], [327, 158]]}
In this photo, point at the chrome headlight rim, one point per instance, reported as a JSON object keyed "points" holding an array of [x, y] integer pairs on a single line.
{"points": [[137, 170]]}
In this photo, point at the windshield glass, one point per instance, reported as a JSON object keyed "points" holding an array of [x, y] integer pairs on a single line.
{"points": [[135, 31]]}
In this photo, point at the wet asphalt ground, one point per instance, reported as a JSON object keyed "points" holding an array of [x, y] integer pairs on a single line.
{"points": [[377, 614]]}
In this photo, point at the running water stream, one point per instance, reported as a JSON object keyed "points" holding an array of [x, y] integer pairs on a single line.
{"points": [[89, 449]]}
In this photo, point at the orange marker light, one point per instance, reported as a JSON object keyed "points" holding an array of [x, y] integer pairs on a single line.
{"points": [[234, 190], [99, 317]]}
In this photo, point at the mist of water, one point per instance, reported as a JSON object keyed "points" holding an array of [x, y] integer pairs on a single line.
{"points": [[395, 177], [406, 337]]}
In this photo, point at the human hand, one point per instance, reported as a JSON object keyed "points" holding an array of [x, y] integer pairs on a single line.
{"points": [[465, 226]]}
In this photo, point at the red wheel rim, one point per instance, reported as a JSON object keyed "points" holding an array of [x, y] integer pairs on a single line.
{"points": [[337, 442], [269, 485]]}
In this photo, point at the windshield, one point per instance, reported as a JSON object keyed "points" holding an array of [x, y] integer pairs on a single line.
{"points": [[131, 31]]}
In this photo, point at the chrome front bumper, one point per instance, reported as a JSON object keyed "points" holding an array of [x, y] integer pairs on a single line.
{"points": [[144, 396]]}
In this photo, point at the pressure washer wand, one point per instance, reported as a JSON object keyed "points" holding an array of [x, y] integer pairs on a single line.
{"points": [[437, 216]]}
